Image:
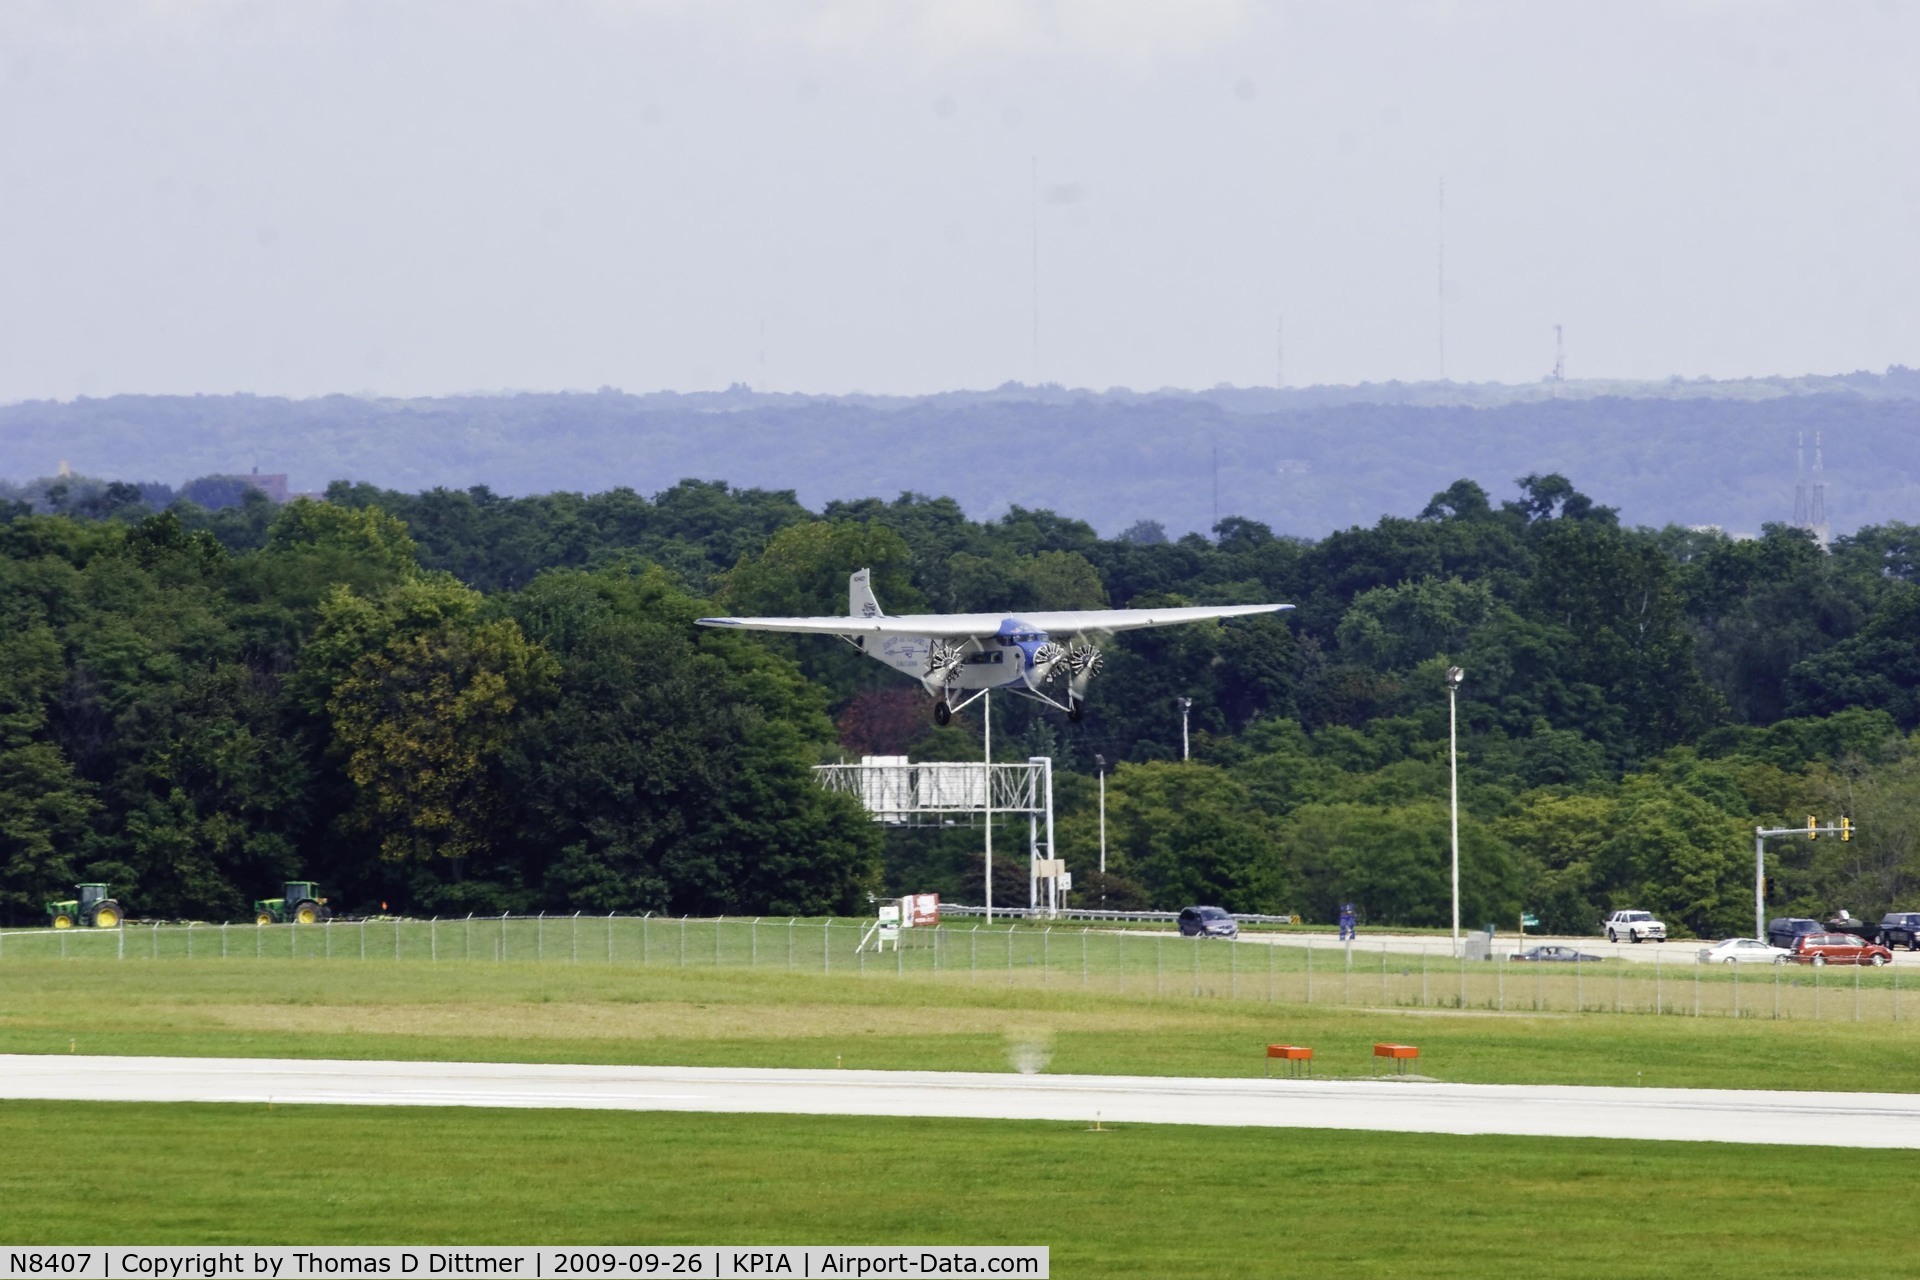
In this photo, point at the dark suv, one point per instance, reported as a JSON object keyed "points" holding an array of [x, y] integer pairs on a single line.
{"points": [[1900, 929], [1207, 922], [1787, 930]]}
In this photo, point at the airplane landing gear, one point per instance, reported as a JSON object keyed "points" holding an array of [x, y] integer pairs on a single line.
{"points": [[1075, 710], [942, 712]]}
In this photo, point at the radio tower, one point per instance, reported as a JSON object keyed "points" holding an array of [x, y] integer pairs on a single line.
{"points": [[1440, 282], [1800, 518], [1822, 531]]}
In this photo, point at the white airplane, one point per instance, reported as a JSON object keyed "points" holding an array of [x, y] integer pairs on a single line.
{"points": [[952, 653]]}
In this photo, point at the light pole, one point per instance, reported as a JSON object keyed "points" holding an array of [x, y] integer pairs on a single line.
{"points": [[1454, 676], [1186, 705], [1100, 763]]}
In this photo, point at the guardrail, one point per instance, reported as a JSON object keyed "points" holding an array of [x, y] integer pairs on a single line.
{"points": [[1078, 913]]}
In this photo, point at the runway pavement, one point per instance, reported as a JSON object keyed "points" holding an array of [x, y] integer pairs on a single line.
{"points": [[1408, 1106]]}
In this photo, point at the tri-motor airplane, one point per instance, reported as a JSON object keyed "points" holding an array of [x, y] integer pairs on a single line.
{"points": [[952, 654]]}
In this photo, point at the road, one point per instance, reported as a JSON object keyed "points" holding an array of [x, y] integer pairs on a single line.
{"points": [[1405, 1106], [1439, 947]]}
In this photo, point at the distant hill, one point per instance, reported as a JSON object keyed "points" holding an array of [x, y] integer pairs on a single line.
{"points": [[1304, 461]]}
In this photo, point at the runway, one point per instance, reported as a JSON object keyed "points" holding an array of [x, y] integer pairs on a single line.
{"points": [[1882, 1120]]}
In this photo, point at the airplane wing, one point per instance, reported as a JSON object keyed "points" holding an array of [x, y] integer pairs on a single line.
{"points": [[955, 626]]}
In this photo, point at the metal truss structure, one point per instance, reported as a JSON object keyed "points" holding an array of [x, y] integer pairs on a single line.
{"points": [[947, 794]]}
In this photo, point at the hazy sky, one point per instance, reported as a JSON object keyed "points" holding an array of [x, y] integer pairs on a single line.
{"points": [[416, 196]]}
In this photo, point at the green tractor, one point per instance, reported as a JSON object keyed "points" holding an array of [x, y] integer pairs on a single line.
{"points": [[302, 904], [93, 907]]}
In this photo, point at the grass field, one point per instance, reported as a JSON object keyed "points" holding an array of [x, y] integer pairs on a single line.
{"points": [[533, 1012], [1160, 964], [1136, 1201]]}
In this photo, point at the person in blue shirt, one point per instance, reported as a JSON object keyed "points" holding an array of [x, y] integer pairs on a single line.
{"points": [[1347, 931]]}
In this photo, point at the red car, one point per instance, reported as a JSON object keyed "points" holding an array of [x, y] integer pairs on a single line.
{"points": [[1839, 948]]}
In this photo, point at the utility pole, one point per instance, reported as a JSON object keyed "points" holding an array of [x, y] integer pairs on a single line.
{"points": [[986, 711], [1454, 676], [1100, 763]]}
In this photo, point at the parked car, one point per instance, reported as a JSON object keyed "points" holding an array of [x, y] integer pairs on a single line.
{"points": [[1900, 929], [1635, 926], [1743, 951], [1207, 922], [1839, 948], [1552, 952], [1787, 930]]}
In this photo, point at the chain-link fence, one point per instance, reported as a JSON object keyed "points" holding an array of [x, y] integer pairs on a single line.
{"points": [[1275, 969]]}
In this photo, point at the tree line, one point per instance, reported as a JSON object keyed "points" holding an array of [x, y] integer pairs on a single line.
{"points": [[453, 701]]}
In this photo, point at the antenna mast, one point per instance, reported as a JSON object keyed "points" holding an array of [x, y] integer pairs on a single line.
{"points": [[1441, 280], [1822, 532], [1800, 517], [1035, 209]]}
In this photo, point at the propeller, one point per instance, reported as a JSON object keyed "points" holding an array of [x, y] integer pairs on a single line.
{"points": [[1084, 662], [1047, 659], [944, 660]]}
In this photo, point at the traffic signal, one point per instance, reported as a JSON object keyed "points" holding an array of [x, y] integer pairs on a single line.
{"points": [[1813, 827], [1846, 828]]}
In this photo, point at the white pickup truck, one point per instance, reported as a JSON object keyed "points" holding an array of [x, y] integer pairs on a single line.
{"points": [[1635, 926]]}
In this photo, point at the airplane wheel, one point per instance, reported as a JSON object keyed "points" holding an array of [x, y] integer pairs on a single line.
{"points": [[942, 712], [1075, 710]]}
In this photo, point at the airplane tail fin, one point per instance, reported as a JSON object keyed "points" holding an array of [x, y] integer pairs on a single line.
{"points": [[860, 598]]}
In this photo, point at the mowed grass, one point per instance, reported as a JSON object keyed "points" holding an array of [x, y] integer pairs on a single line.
{"points": [[1133, 1201], [725, 1017]]}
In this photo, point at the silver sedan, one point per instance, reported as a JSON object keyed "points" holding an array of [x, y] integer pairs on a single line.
{"points": [[1742, 950]]}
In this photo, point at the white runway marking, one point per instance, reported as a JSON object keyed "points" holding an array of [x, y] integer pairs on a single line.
{"points": [[1688, 1115]]}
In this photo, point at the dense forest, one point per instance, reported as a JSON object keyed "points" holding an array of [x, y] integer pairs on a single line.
{"points": [[453, 701], [1304, 461]]}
